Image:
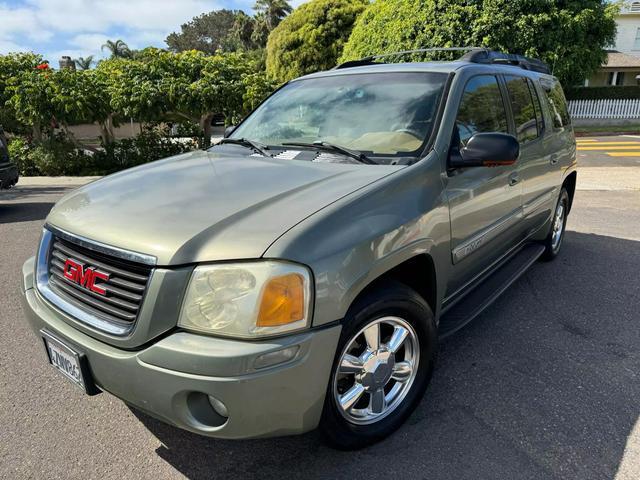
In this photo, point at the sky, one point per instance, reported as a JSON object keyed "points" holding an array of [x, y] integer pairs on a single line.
{"points": [[79, 28]]}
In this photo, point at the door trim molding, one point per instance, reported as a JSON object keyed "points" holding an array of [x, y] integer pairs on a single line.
{"points": [[467, 247], [539, 201]]}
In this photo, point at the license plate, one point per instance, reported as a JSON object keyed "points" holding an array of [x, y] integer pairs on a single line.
{"points": [[68, 361]]}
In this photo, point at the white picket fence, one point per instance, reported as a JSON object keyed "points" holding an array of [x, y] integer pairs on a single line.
{"points": [[607, 109]]}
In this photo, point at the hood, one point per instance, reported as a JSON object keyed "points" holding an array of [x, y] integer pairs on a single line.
{"points": [[202, 206]]}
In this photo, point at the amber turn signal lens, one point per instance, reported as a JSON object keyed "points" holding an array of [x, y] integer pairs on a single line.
{"points": [[282, 301]]}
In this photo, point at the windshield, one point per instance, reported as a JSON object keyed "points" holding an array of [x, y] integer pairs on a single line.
{"points": [[377, 113]]}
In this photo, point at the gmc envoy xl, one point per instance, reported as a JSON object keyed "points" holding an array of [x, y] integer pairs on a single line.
{"points": [[299, 273]]}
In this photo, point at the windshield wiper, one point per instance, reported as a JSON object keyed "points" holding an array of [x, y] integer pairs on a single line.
{"points": [[330, 147], [245, 142]]}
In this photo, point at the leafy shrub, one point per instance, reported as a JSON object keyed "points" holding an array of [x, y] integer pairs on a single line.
{"points": [[60, 156], [311, 38], [569, 36], [188, 129], [150, 145], [19, 149]]}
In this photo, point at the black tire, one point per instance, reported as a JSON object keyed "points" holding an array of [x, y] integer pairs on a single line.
{"points": [[388, 299], [551, 247]]}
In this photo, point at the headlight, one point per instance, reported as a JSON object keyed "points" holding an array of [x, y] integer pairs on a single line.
{"points": [[247, 299]]}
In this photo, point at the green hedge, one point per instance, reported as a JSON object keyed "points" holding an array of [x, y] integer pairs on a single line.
{"points": [[600, 93], [59, 156]]}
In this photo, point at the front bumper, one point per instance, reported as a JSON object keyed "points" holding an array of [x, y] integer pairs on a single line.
{"points": [[171, 378]]}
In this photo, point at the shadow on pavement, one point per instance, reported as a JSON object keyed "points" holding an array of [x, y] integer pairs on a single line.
{"points": [[19, 192], [24, 212], [542, 385], [20, 204]]}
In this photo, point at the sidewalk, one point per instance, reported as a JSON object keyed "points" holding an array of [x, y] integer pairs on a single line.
{"points": [[608, 178], [58, 181]]}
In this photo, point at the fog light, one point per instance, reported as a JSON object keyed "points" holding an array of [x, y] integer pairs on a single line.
{"points": [[275, 358], [219, 407]]}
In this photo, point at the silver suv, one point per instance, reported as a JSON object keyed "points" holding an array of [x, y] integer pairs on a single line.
{"points": [[300, 273]]}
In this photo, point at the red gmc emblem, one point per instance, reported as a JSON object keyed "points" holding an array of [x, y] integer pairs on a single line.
{"points": [[85, 277]]}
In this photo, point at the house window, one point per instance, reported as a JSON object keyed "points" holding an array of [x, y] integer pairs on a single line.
{"points": [[636, 44], [635, 7], [615, 79]]}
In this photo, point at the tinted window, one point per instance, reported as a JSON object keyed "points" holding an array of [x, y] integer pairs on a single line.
{"points": [[481, 109], [537, 105], [524, 112], [557, 104]]}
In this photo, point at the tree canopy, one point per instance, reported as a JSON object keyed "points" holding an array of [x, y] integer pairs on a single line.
{"points": [[272, 11], [154, 86], [569, 36], [11, 68], [220, 30], [117, 49], [84, 63], [311, 38]]}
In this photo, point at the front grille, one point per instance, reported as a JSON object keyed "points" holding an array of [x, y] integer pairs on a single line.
{"points": [[124, 289]]}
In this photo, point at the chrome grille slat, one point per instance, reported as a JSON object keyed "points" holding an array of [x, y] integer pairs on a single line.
{"points": [[110, 300], [90, 301], [95, 262], [59, 271], [124, 289]]}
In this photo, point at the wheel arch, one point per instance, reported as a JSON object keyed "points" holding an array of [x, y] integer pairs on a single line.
{"points": [[570, 185], [417, 272]]}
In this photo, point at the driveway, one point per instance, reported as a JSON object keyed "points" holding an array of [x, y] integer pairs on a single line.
{"points": [[543, 385]]}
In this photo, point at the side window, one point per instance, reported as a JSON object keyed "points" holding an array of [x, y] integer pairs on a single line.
{"points": [[537, 105], [481, 109], [524, 111], [557, 104]]}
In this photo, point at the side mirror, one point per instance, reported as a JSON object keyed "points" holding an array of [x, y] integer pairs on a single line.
{"points": [[486, 150], [229, 130]]}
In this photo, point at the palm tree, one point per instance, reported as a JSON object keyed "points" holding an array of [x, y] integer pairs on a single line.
{"points": [[84, 63], [274, 11], [118, 49]]}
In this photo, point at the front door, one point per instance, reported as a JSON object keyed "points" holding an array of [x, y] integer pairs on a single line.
{"points": [[484, 202]]}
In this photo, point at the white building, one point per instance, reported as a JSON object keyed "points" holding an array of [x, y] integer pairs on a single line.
{"points": [[623, 60], [628, 37]]}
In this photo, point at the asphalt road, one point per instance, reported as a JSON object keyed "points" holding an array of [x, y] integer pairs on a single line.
{"points": [[610, 151], [544, 385]]}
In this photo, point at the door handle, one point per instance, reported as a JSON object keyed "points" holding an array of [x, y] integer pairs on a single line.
{"points": [[514, 179], [554, 159]]}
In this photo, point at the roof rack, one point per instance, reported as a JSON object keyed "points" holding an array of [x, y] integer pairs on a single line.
{"points": [[371, 60], [491, 57], [473, 55]]}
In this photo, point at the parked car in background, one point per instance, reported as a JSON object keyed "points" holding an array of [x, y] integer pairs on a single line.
{"points": [[300, 273], [8, 171]]}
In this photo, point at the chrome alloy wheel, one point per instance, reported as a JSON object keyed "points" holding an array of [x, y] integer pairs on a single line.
{"points": [[558, 226], [376, 370]]}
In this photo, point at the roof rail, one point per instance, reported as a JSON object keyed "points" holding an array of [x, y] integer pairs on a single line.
{"points": [[473, 54], [370, 60], [491, 57]]}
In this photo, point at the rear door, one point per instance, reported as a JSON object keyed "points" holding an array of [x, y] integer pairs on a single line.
{"points": [[535, 164], [484, 202]]}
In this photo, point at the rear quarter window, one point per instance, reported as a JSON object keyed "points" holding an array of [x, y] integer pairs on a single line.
{"points": [[557, 103]]}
